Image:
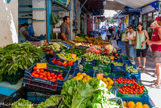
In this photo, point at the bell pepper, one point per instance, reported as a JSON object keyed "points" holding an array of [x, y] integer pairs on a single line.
{"points": [[54, 60]]}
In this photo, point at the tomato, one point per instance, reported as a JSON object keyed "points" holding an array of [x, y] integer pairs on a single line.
{"points": [[50, 78], [58, 78], [42, 70], [34, 68], [53, 79], [41, 76], [36, 75], [33, 74], [48, 74], [61, 78], [60, 75], [38, 72], [52, 74]]}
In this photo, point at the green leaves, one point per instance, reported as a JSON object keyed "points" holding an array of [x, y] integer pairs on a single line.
{"points": [[18, 56]]}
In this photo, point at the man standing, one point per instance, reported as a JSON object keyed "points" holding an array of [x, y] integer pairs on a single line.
{"points": [[64, 28], [155, 44]]}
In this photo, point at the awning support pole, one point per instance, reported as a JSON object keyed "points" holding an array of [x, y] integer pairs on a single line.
{"points": [[80, 8]]}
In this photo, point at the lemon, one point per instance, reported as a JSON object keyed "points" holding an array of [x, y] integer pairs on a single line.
{"points": [[138, 104], [108, 79], [146, 106], [84, 74], [104, 79], [124, 103], [79, 74], [109, 87]]}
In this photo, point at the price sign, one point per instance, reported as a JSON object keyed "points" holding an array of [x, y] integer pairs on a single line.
{"points": [[100, 76], [41, 65]]}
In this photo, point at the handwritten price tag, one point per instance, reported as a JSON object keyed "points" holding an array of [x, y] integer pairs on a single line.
{"points": [[41, 65], [100, 76]]}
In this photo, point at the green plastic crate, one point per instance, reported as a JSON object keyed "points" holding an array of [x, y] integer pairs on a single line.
{"points": [[119, 74], [13, 79], [131, 95]]}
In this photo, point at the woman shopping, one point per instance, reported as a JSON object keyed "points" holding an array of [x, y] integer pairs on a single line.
{"points": [[131, 37], [142, 38]]}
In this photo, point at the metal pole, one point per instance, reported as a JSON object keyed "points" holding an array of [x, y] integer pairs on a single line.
{"points": [[48, 14], [80, 8], [71, 21]]}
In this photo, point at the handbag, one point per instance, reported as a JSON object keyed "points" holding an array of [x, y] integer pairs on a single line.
{"points": [[133, 41]]}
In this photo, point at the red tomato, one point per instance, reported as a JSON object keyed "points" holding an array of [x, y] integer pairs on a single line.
{"points": [[61, 78], [36, 75], [60, 75], [35, 68], [52, 74], [33, 74], [48, 74], [45, 78], [41, 76], [54, 80], [42, 70], [58, 78], [50, 78]]}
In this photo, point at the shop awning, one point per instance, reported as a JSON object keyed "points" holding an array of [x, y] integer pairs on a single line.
{"points": [[135, 3], [113, 5]]}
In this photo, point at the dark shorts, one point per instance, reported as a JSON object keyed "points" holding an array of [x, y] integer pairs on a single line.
{"points": [[156, 56], [141, 52]]}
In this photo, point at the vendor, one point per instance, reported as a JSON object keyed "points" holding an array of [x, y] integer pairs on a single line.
{"points": [[64, 28], [23, 32]]}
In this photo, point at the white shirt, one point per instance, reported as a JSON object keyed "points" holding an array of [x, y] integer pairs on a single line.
{"points": [[131, 35]]}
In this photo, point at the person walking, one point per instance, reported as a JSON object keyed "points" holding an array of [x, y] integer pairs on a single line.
{"points": [[155, 44], [142, 38], [131, 37]]}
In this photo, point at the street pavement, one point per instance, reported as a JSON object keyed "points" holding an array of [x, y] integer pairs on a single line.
{"points": [[147, 77]]}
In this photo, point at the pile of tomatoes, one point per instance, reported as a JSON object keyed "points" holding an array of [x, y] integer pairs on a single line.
{"points": [[135, 89], [41, 73], [125, 81]]}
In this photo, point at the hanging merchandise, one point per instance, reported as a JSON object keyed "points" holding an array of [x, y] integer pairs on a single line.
{"points": [[54, 20], [126, 20]]}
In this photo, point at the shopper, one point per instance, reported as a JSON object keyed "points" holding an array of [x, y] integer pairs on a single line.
{"points": [[126, 42], [64, 28], [131, 37], [142, 38], [23, 32], [155, 44]]}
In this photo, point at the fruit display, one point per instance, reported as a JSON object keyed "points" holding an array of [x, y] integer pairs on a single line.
{"points": [[92, 56], [65, 63], [56, 47], [68, 57], [79, 39], [131, 89], [77, 51], [117, 63], [125, 81], [82, 76], [109, 82], [46, 75], [94, 50], [132, 70], [131, 104]]}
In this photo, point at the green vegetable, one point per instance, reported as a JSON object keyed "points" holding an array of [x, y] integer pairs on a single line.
{"points": [[92, 56], [118, 63], [132, 70], [18, 56], [21, 103], [52, 101], [56, 47]]}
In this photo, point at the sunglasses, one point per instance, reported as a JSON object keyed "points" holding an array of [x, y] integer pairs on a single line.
{"points": [[130, 28]]}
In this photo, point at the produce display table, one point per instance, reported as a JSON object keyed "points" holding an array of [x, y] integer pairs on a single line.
{"points": [[86, 75]]}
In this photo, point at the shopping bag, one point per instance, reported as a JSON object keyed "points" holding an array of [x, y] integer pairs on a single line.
{"points": [[114, 44], [123, 37]]}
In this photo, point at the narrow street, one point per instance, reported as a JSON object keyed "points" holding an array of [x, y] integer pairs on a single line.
{"points": [[147, 77]]}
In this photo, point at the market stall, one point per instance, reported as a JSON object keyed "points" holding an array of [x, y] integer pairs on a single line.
{"points": [[85, 72]]}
